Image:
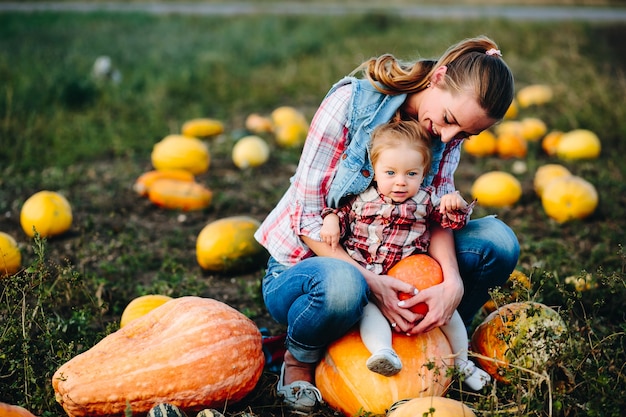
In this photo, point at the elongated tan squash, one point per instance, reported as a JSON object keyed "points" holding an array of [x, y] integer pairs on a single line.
{"points": [[191, 352]]}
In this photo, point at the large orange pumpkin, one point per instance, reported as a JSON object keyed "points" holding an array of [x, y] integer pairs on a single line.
{"points": [[347, 385], [419, 270], [526, 335], [191, 352]]}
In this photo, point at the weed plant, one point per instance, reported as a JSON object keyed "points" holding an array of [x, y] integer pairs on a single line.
{"points": [[63, 129]]}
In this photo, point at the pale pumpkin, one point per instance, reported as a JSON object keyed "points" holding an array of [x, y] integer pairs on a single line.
{"points": [[419, 270], [496, 189], [10, 255], [202, 127], [255, 123], [348, 386], [228, 244], [191, 352], [534, 95], [47, 212], [569, 198], [181, 152], [144, 181], [432, 407], [508, 126], [550, 142], [483, 144], [141, 306], [10, 410], [526, 335], [578, 144], [545, 174], [533, 129], [286, 115], [290, 126], [250, 152], [180, 195]]}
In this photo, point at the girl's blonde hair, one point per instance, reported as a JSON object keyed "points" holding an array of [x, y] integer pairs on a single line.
{"points": [[409, 132], [469, 68]]}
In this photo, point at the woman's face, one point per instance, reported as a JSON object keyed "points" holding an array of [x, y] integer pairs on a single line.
{"points": [[446, 115]]}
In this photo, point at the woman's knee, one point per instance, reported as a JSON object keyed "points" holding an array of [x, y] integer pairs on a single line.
{"points": [[345, 290]]}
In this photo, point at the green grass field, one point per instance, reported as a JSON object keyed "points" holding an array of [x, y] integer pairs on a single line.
{"points": [[61, 129]]}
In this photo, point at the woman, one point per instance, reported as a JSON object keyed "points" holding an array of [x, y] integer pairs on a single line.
{"points": [[320, 293]]}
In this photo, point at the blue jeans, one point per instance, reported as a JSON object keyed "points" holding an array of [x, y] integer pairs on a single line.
{"points": [[319, 299]]}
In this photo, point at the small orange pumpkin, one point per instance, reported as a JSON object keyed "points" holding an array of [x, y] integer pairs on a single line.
{"points": [[347, 385], [419, 270], [9, 410], [144, 181], [180, 195]]}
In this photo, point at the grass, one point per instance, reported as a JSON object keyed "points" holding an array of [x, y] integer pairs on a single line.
{"points": [[63, 130]]}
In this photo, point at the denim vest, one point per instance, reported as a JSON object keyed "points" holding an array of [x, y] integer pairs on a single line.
{"points": [[369, 108]]}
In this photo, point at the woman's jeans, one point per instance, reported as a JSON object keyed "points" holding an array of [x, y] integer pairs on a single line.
{"points": [[319, 299]]}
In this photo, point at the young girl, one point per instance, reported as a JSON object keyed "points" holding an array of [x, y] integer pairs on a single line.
{"points": [[390, 221]]}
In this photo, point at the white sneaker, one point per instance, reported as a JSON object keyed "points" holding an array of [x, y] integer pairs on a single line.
{"points": [[299, 396], [385, 362], [474, 377]]}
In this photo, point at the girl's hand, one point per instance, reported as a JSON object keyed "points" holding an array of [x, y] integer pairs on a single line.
{"points": [[451, 202], [330, 231]]}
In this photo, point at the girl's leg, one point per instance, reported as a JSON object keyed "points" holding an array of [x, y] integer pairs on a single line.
{"points": [[376, 336], [487, 252], [455, 331]]}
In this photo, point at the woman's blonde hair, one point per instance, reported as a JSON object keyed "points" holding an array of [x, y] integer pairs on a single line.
{"points": [[409, 132], [469, 68]]}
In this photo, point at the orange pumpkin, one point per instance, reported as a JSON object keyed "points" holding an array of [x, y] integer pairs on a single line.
{"points": [[432, 407], [347, 385], [526, 335], [9, 410], [421, 271], [180, 195], [191, 352], [144, 181]]}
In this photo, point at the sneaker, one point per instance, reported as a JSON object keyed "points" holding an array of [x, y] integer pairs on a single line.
{"points": [[299, 396], [474, 377], [385, 362]]}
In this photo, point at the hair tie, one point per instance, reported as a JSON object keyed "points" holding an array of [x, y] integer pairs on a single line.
{"points": [[494, 51]]}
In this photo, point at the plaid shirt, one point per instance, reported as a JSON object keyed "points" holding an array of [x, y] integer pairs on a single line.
{"points": [[298, 213], [377, 232]]}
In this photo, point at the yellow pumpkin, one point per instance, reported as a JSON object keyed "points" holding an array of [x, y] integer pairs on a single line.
{"points": [[256, 123], [144, 181], [547, 173], [347, 385], [534, 95], [202, 127], [48, 212], [250, 152], [191, 352], [512, 111], [496, 189], [578, 144], [569, 198], [483, 144], [511, 145], [533, 129], [228, 244], [286, 115], [291, 135], [180, 195], [141, 306], [181, 152], [432, 407], [551, 141], [10, 255], [508, 127], [525, 334]]}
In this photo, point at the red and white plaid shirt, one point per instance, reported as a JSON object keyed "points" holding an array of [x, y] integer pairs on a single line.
{"points": [[298, 213]]}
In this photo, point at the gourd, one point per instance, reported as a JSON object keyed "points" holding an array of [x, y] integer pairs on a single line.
{"points": [[48, 212], [190, 352], [432, 407], [202, 127], [483, 144], [9, 410], [250, 152], [569, 198], [510, 290], [228, 244], [180, 195], [545, 174], [166, 410], [141, 306], [578, 144], [144, 181], [534, 95], [10, 255], [181, 152], [496, 189], [528, 335], [348, 386], [419, 270]]}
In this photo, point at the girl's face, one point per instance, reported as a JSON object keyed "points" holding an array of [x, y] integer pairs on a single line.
{"points": [[446, 115], [398, 172]]}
